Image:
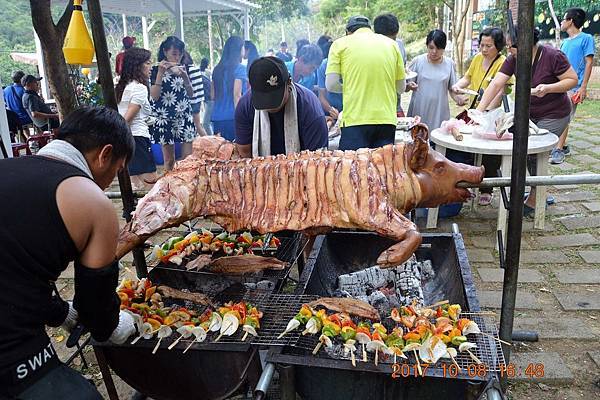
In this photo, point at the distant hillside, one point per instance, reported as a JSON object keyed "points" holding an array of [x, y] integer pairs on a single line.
{"points": [[16, 34]]}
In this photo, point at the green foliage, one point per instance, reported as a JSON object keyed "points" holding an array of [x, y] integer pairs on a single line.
{"points": [[417, 17]]}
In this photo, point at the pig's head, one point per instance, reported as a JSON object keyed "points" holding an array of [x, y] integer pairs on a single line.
{"points": [[437, 175]]}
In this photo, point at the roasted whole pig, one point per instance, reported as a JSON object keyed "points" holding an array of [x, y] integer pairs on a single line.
{"points": [[369, 189]]}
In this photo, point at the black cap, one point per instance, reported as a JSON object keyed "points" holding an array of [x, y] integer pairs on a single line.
{"points": [[268, 77], [28, 79], [356, 22]]}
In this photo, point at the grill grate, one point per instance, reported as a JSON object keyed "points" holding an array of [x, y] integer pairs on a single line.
{"points": [[291, 245], [488, 351]]}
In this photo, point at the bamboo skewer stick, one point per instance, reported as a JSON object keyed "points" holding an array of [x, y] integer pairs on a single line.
{"points": [[157, 345], [364, 353], [454, 362], [418, 363], [477, 360], [317, 347], [175, 342], [353, 358], [495, 338]]}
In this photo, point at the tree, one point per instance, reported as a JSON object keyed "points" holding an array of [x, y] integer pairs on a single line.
{"points": [[459, 28], [52, 37]]}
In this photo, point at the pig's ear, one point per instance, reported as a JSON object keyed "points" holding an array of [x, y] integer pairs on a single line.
{"points": [[420, 147]]}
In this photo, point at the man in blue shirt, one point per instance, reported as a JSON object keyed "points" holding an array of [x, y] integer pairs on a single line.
{"points": [[267, 119], [303, 69], [579, 48], [13, 97]]}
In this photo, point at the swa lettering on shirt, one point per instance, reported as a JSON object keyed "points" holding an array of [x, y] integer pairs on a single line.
{"points": [[35, 362]]}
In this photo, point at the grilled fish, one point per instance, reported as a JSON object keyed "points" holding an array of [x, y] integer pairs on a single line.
{"points": [[194, 297], [246, 264], [347, 305]]}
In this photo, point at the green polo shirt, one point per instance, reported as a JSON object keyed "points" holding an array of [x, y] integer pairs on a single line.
{"points": [[369, 64]]}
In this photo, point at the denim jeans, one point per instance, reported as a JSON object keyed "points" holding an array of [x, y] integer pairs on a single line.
{"points": [[367, 136]]}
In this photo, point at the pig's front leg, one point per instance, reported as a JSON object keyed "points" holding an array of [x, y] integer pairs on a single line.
{"points": [[394, 225]]}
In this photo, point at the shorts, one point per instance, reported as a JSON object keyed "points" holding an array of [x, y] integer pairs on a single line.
{"points": [[556, 127], [142, 161], [367, 136]]}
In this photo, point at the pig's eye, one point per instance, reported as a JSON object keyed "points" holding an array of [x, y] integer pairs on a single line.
{"points": [[439, 168]]}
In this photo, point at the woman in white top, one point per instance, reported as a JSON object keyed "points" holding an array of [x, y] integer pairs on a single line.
{"points": [[134, 105]]}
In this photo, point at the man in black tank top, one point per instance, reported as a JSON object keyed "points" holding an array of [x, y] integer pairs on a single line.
{"points": [[54, 211]]}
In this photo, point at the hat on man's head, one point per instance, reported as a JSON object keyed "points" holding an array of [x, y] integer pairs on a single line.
{"points": [[268, 77], [28, 79], [128, 41], [356, 22]]}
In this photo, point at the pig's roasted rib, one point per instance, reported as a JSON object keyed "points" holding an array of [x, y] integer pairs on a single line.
{"points": [[367, 189]]}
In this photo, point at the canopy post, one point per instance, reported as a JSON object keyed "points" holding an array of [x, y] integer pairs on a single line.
{"points": [[124, 17], [179, 19], [210, 39], [246, 25], [145, 33], [518, 172]]}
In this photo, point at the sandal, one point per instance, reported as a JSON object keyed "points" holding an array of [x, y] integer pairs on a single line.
{"points": [[485, 199]]}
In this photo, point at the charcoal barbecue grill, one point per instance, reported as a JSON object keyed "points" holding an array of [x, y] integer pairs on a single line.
{"points": [[330, 375], [207, 370]]}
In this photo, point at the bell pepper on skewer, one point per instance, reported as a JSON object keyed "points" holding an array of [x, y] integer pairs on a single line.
{"points": [[251, 324], [329, 331], [313, 326], [395, 343]]}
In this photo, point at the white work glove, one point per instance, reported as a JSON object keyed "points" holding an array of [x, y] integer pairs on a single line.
{"points": [[124, 329], [71, 320]]}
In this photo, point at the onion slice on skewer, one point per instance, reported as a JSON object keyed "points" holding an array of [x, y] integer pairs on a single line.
{"points": [[323, 340], [145, 330], [451, 353], [185, 331], [363, 339], [432, 350], [414, 347], [466, 347], [229, 326], [249, 329], [349, 347], [376, 346], [163, 332], [215, 322], [199, 336], [292, 325]]}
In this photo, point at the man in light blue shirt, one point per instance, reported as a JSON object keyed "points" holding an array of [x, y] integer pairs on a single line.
{"points": [[303, 69], [579, 48]]}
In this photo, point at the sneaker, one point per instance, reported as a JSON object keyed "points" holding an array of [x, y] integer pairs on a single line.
{"points": [[557, 156], [566, 150]]}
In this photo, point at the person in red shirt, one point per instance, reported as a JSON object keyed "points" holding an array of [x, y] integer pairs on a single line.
{"points": [[128, 42], [549, 108]]}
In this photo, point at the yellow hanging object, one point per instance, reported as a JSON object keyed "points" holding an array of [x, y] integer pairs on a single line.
{"points": [[85, 71], [78, 47]]}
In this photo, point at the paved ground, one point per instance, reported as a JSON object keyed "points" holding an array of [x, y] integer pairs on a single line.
{"points": [[559, 289]]}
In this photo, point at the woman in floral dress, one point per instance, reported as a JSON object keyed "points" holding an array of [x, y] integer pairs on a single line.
{"points": [[172, 91]]}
